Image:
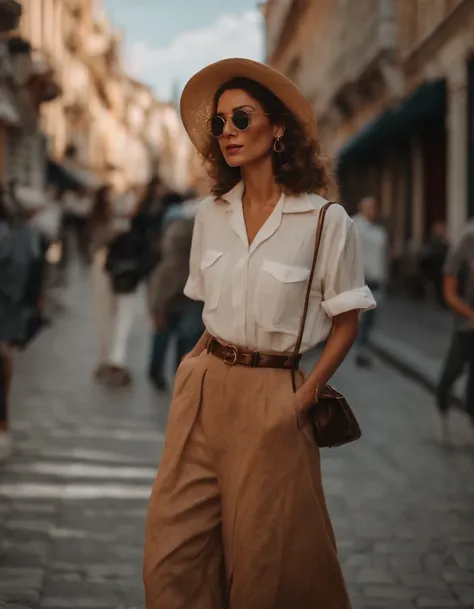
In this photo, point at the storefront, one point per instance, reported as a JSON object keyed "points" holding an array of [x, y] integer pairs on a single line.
{"points": [[400, 157], [379, 161], [10, 12]]}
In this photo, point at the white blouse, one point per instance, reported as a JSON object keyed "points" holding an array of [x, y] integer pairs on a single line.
{"points": [[254, 295]]}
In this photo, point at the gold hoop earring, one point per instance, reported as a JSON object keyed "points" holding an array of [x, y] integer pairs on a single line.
{"points": [[278, 145]]}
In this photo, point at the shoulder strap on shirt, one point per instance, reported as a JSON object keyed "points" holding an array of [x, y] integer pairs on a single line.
{"points": [[317, 243]]}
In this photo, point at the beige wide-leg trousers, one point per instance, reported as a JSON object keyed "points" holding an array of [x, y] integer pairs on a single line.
{"points": [[237, 517]]}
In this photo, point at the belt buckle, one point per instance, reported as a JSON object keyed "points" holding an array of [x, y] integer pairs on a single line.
{"points": [[233, 355]]}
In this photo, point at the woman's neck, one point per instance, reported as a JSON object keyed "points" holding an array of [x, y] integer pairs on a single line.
{"points": [[260, 186]]}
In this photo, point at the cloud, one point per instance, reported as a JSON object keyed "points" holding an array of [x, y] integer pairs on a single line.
{"points": [[232, 35]]}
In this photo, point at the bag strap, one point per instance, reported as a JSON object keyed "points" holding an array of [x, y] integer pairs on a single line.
{"points": [[317, 243]]}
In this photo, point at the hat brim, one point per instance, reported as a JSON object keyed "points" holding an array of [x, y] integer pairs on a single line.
{"points": [[197, 99]]}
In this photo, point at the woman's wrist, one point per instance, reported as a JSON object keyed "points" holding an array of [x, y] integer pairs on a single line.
{"points": [[317, 392], [315, 385], [307, 395]]}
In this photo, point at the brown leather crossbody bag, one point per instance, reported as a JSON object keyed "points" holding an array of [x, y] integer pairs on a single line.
{"points": [[332, 419]]}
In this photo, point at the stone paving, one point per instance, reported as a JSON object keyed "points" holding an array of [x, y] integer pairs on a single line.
{"points": [[73, 497], [423, 326], [415, 337]]}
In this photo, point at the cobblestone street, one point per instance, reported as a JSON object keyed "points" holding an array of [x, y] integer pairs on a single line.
{"points": [[73, 496]]}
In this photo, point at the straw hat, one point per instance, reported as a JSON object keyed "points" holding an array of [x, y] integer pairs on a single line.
{"points": [[198, 95]]}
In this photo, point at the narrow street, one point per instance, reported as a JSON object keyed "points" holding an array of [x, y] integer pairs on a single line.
{"points": [[73, 497]]}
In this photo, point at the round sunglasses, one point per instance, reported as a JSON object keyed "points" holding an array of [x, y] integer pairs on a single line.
{"points": [[241, 119]]}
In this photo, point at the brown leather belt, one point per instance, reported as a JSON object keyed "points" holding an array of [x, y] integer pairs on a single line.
{"points": [[238, 356]]}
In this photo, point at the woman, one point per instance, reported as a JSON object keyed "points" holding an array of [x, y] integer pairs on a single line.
{"points": [[120, 263], [237, 516], [101, 230]]}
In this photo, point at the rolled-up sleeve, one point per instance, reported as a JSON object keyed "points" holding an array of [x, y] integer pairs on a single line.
{"points": [[344, 287], [194, 288]]}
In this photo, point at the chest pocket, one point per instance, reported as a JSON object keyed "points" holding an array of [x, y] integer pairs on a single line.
{"points": [[212, 268], [280, 295]]}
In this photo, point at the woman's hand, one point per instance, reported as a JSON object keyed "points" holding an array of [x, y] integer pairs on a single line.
{"points": [[343, 334], [305, 397]]}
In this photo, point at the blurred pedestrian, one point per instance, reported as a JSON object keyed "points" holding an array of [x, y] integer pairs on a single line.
{"points": [[459, 296], [432, 259], [237, 515], [5, 353], [177, 206], [173, 314], [6, 372], [121, 260], [77, 209], [375, 249], [148, 214], [22, 266], [129, 261], [48, 220], [101, 230], [5, 212]]}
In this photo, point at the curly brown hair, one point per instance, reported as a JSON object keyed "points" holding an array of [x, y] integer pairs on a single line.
{"points": [[299, 168]]}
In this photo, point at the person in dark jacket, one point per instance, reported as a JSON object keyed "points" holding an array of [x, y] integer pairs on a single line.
{"points": [[148, 215], [5, 355], [174, 316], [129, 259], [459, 296], [432, 260], [22, 265]]}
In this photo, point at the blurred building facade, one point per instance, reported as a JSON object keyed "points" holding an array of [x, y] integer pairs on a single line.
{"points": [[27, 81], [104, 125], [9, 18], [392, 85]]}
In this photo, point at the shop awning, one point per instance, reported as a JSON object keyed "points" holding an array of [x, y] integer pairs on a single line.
{"points": [[423, 105], [371, 135]]}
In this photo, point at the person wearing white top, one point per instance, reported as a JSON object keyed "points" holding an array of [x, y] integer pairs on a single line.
{"points": [[237, 516], [375, 250]]}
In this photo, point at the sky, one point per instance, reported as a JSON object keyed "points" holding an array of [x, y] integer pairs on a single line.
{"points": [[167, 41]]}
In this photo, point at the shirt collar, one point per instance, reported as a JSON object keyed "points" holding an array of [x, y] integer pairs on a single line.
{"points": [[291, 204], [234, 196]]}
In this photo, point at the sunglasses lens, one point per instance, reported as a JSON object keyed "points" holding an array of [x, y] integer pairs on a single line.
{"points": [[216, 126], [241, 120]]}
